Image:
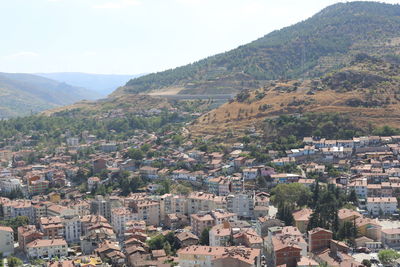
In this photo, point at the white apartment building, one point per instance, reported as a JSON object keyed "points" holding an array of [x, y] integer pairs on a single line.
{"points": [[381, 205], [72, 228], [6, 240], [119, 217], [241, 204], [7, 185], [47, 248]]}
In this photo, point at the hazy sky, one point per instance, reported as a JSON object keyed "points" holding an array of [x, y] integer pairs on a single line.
{"points": [[135, 36]]}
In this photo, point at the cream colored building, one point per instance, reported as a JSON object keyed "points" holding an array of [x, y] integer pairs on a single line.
{"points": [[49, 248]]}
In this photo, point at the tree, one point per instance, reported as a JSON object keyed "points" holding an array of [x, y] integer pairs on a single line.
{"points": [[388, 256], [135, 154], [366, 263], [291, 194], [14, 262], [205, 237], [167, 248], [285, 214], [156, 242], [353, 198]]}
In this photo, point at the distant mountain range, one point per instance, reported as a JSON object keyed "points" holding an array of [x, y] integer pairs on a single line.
{"points": [[103, 84], [23, 94], [311, 48]]}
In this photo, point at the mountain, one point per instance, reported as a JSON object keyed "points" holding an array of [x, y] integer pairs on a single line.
{"points": [[364, 95], [22, 94], [103, 84], [311, 48]]}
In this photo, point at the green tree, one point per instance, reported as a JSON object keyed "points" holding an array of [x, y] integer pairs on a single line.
{"points": [[353, 198], [14, 262], [366, 263], [156, 242], [291, 194], [167, 248], [135, 154], [388, 256], [205, 237], [285, 214]]}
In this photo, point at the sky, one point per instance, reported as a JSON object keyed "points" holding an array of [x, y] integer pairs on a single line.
{"points": [[135, 36]]}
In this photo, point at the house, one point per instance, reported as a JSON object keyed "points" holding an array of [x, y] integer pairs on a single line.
{"points": [[347, 215], [250, 173], [6, 240], [391, 237], [319, 239], [301, 218], [285, 178], [369, 228], [187, 239]]}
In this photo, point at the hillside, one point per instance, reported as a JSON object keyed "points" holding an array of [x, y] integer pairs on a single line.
{"points": [[366, 92], [310, 48], [103, 84], [23, 94]]}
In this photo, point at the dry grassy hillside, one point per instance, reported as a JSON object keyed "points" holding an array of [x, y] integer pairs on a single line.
{"points": [[368, 92]]}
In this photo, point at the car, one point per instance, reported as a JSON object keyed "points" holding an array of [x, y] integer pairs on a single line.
{"points": [[374, 261]]}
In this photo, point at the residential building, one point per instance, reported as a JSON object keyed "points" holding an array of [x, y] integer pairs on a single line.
{"points": [[119, 217], [381, 205], [47, 248], [241, 204], [6, 240], [207, 256]]}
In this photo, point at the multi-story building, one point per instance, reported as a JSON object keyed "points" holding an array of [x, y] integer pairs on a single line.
{"points": [[72, 228], [220, 236], [119, 217], [49, 248], [207, 256], [200, 201], [148, 211], [319, 238], [88, 221], [27, 234], [9, 184], [38, 187], [241, 204], [203, 220], [391, 237], [381, 205], [101, 206], [92, 182], [52, 227], [6, 240], [199, 222], [15, 208], [360, 186]]}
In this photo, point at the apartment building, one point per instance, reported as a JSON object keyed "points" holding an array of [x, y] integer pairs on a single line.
{"points": [[119, 218], [207, 256], [6, 240], [148, 211], [381, 205], [47, 248]]}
